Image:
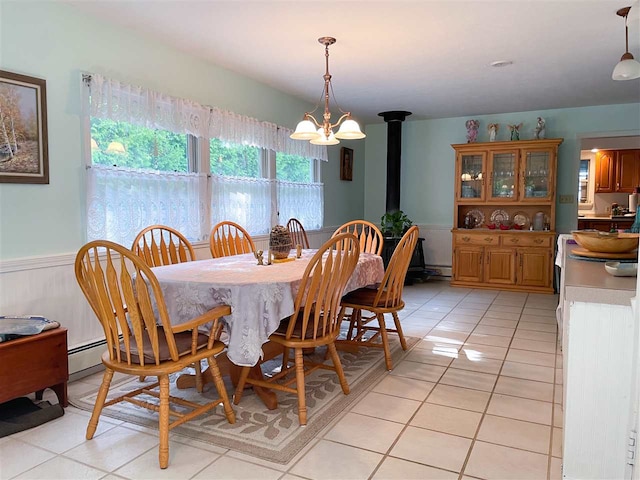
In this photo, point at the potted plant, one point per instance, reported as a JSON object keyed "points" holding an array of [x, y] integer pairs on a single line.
{"points": [[395, 224]]}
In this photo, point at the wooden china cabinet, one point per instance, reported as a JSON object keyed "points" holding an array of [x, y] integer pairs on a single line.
{"points": [[504, 215]]}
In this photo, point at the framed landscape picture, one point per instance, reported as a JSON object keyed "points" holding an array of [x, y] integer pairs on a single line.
{"points": [[24, 154], [346, 164]]}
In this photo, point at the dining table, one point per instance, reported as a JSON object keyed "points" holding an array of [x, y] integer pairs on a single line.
{"points": [[260, 297]]}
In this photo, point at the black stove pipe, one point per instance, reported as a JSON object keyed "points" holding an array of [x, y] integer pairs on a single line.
{"points": [[394, 121]]}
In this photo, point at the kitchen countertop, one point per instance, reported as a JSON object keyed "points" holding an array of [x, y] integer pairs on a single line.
{"points": [[587, 281]]}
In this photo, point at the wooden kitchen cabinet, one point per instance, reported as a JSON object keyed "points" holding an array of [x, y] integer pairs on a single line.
{"points": [[617, 171], [503, 182], [605, 224], [510, 260]]}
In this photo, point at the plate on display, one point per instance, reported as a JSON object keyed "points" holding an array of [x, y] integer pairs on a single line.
{"points": [[521, 219], [499, 216], [478, 217]]}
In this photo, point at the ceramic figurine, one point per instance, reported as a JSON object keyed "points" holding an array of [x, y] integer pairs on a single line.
{"points": [[540, 129], [472, 130], [260, 258], [493, 131], [515, 131]]}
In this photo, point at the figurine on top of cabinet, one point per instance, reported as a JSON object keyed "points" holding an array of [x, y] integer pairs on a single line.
{"points": [[540, 129], [472, 130], [515, 131], [493, 131]]}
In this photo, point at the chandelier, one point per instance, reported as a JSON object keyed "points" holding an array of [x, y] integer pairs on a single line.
{"points": [[322, 133], [627, 68]]}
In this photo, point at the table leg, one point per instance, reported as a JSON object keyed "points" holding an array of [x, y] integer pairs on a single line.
{"points": [[267, 396]]}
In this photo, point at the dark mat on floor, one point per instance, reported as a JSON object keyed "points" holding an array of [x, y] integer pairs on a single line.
{"points": [[21, 414]]}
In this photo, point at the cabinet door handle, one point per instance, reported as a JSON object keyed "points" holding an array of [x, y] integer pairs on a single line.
{"points": [[488, 239], [466, 239], [514, 240], [538, 240]]}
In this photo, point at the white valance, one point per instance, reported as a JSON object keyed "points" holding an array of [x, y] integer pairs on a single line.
{"points": [[136, 105]]}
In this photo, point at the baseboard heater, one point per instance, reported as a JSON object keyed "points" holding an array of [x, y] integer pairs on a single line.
{"points": [[86, 356]]}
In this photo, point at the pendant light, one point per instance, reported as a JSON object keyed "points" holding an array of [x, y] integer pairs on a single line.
{"points": [[627, 68]]}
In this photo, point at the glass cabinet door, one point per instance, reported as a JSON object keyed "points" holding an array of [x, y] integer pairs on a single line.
{"points": [[471, 177], [504, 176], [537, 171]]}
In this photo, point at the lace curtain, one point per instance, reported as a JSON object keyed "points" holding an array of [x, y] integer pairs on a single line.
{"points": [[121, 202], [304, 201], [244, 200], [127, 103]]}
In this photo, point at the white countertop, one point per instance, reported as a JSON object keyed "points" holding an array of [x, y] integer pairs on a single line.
{"points": [[587, 281]]}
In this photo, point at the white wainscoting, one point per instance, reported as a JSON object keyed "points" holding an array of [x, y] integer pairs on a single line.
{"points": [[47, 286]]}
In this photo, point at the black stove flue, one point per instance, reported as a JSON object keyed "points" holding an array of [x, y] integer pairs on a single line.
{"points": [[394, 121]]}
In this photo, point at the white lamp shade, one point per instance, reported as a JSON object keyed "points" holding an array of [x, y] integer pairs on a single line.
{"points": [[350, 130], [305, 130], [117, 148], [322, 140], [626, 70]]}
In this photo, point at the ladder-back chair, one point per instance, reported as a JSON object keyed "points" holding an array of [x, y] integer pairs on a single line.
{"points": [[160, 245], [369, 235], [387, 298], [314, 323], [229, 238], [298, 235], [125, 294]]}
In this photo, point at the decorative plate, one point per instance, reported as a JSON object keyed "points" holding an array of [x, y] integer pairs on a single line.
{"points": [[499, 216], [521, 219], [478, 217]]}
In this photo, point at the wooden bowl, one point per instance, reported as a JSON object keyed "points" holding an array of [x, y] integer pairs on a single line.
{"points": [[606, 242]]}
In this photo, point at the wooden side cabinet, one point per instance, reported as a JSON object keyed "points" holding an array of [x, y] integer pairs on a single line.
{"points": [[34, 362], [500, 186], [509, 260]]}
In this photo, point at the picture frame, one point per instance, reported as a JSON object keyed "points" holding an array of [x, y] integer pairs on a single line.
{"points": [[346, 164], [24, 152]]}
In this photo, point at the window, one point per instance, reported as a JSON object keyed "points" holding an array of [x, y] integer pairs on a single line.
{"points": [[234, 160], [131, 146], [149, 164]]}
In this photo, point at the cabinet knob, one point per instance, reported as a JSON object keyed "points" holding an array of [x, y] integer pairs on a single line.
{"points": [[488, 239], [466, 239], [514, 240], [538, 240]]}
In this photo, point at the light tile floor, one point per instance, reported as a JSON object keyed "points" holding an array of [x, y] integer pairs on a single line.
{"points": [[479, 397]]}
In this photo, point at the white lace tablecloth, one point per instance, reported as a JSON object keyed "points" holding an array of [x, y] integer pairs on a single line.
{"points": [[259, 296]]}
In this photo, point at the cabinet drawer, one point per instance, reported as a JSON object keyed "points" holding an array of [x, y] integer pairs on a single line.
{"points": [[526, 240], [474, 239]]}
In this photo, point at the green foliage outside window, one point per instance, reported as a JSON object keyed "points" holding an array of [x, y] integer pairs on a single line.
{"points": [[234, 160], [144, 147], [293, 168]]}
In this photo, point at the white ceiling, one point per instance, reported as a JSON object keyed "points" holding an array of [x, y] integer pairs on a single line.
{"points": [[428, 57]]}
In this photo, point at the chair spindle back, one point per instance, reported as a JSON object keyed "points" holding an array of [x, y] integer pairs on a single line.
{"points": [[229, 238], [369, 235], [160, 245], [297, 232]]}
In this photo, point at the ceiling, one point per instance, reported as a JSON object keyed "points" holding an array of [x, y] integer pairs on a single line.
{"points": [[431, 58]]}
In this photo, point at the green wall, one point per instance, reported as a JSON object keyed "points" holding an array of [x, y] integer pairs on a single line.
{"points": [[428, 159], [56, 42]]}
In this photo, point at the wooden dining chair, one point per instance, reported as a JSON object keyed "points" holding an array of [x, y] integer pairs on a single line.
{"points": [[125, 294], [229, 238], [387, 298], [314, 323], [369, 235], [298, 235], [160, 245]]}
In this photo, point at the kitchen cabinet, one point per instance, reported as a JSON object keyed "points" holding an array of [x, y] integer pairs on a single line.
{"points": [[604, 224], [508, 183], [510, 260], [617, 171]]}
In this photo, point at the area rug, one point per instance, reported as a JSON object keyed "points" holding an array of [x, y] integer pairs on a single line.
{"points": [[274, 435]]}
